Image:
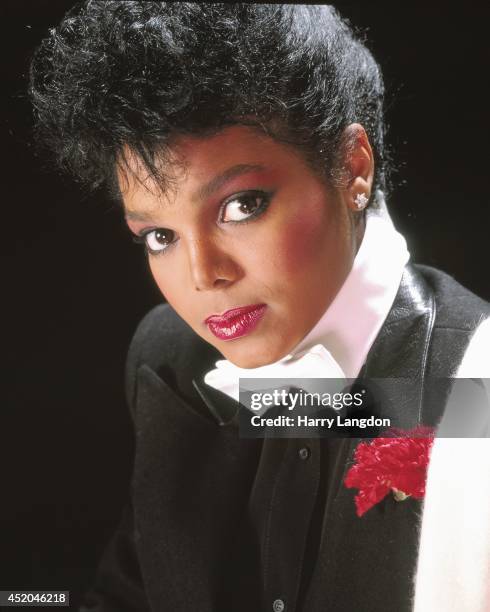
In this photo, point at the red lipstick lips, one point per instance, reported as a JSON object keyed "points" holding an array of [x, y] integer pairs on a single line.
{"points": [[236, 322]]}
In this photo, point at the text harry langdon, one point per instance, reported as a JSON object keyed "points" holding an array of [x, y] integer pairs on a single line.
{"points": [[329, 422]]}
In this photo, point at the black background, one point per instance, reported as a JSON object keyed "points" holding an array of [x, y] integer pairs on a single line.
{"points": [[74, 285]]}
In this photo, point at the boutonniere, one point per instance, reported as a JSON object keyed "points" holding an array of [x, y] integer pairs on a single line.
{"points": [[396, 462]]}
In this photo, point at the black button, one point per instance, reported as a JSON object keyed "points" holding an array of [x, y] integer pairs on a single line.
{"points": [[304, 453], [278, 605]]}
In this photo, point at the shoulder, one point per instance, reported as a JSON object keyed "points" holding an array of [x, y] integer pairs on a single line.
{"points": [[164, 342], [455, 313], [160, 329], [457, 307]]}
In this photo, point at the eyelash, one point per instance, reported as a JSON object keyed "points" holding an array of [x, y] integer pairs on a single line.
{"points": [[266, 197], [141, 239]]}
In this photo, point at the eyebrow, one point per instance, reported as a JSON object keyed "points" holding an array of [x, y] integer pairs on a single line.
{"points": [[218, 181], [206, 190], [131, 215]]}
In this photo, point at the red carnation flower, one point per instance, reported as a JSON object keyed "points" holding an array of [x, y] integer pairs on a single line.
{"points": [[397, 462]]}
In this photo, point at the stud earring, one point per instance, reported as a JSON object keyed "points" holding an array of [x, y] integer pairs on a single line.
{"points": [[361, 200]]}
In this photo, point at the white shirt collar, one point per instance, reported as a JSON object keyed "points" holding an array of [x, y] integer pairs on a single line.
{"points": [[351, 323]]}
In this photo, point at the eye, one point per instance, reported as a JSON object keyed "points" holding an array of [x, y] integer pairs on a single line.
{"points": [[245, 206], [157, 240]]}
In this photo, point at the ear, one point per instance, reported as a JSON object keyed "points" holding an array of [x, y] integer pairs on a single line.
{"points": [[358, 167]]}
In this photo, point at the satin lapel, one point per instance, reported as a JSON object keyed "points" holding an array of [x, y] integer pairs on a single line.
{"points": [[376, 553], [223, 409], [400, 353], [181, 459], [402, 346]]}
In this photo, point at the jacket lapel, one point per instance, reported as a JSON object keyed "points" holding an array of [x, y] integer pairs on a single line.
{"points": [[185, 458], [379, 550], [223, 409]]}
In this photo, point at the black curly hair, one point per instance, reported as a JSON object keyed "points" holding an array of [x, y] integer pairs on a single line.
{"points": [[126, 75]]}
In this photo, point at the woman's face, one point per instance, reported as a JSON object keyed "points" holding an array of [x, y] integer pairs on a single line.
{"points": [[246, 223]]}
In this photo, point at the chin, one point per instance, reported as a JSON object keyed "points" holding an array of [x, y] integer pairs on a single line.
{"points": [[250, 358]]}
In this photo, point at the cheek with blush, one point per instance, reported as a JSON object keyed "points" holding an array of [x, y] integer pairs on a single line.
{"points": [[300, 245]]}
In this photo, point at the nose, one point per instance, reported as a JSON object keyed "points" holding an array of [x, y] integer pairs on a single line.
{"points": [[211, 266]]}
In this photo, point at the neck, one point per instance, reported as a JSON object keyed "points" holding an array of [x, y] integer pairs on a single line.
{"points": [[359, 229]]}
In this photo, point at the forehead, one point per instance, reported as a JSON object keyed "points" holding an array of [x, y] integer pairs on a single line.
{"points": [[199, 164]]}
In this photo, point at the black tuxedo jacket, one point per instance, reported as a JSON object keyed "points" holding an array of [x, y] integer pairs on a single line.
{"points": [[223, 524]]}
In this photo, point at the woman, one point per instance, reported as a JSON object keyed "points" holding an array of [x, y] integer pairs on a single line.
{"points": [[246, 146]]}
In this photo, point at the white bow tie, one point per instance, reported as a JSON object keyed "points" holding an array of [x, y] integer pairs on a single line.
{"points": [[316, 362]]}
